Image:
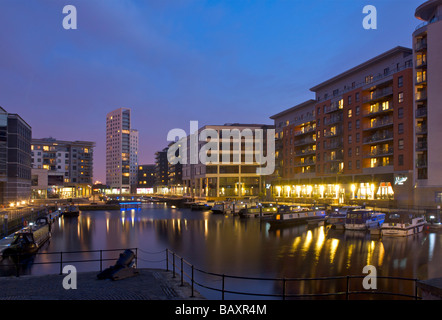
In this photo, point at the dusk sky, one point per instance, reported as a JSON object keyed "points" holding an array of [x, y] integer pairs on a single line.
{"points": [[175, 61]]}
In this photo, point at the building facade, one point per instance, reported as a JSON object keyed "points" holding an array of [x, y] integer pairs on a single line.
{"points": [[146, 179], [235, 178], [352, 143], [161, 172], [61, 169], [427, 76], [121, 152], [15, 159]]}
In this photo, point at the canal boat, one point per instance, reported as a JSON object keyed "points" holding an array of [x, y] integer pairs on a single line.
{"points": [[337, 217], [262, 211], [201, 206], [219, 208], [292, 215], [402, 224], [71, 211], [29, 239], [363, 219]]}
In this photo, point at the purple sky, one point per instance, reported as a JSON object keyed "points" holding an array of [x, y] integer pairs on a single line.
{"points": [[176, 61]]}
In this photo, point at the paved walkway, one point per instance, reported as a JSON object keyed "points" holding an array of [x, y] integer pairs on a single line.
{"points": [[149, 284]]}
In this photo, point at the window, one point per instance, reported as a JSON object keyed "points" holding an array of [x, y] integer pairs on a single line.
{"points": [[349, 152], [358, 124], [400, 81], [357, 110], [400, 128], [438, 197], [335, 92], [401, 97], [358, 137], [401, 159], [400, 113], [349, 100], [401, 144], [349, 126], [386, 71], [349, 165], [358, 164], [357, 96], [357, 151], [349, 139], [368, 79], [349, 113]]}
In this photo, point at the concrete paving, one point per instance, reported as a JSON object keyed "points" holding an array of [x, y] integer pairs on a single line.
{"points": [[148, 284]]}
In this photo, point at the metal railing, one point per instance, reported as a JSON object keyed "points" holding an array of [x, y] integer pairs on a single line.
{"points": [[283, 282], [177, 265]]}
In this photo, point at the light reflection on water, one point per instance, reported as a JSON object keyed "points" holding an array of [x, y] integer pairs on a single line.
{"points": [[233, 246]]}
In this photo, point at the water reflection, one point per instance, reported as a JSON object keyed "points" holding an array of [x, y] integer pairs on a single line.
{"points": [[226, 244]]}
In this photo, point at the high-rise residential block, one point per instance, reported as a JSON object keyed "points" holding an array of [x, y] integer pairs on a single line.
{"points": [[121, 151]]}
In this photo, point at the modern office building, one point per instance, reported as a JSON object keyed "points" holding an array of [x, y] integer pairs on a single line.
{"points": [[235, 178], [61, 169], [15, 159], [427, 76], [121, 152], [351, 143]]}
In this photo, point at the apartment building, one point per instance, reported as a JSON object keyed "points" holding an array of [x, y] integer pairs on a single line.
{"points": [[121, 152], [427, 76], [61, 169], [235, 178], [352, 141]]}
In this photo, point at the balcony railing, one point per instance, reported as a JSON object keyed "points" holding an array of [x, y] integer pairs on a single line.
{"points": [[421, 129], [421, 146], [379, 152], [306, 130], [377, 137], [421, 112], [378, 109], [333, 120], [422, 95], [378, 94], [299, 142], [305, 152], [379, 123]]}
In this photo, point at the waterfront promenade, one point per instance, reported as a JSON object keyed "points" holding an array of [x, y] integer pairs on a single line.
{"points": [[149, 284]]}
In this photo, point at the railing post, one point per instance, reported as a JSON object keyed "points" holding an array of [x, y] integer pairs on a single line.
{"points": [[222, 298], [101, 260], [283, 288], [347, 292], [18, 265], [193, 280], [136, 257], [182, 273], [61, 262], [415, 289], [167, 259], [173, 264]]}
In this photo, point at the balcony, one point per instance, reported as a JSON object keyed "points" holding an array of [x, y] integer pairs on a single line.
{"points": [[334, 145], [305, 130], [378, 137], [305, 163], [421, 163], [420, 96], [333, 120], [421, 63], [378, 95], [421, 146], [421, 112], [335, 106], [421, 78], [378, 109], [385, 122], [300, 142], [379, 153], [304, 152], [422, 129], [421, 45], [335, 133]]}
